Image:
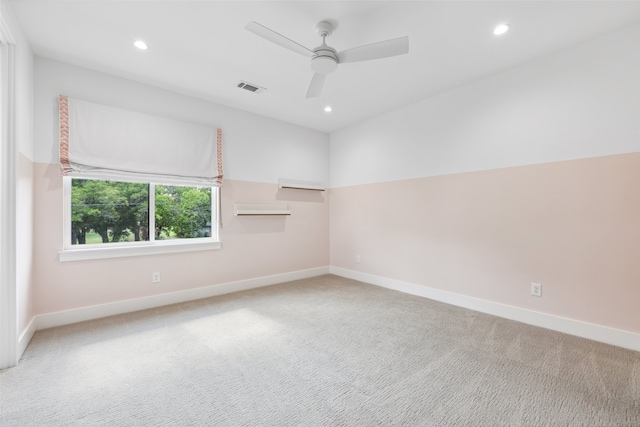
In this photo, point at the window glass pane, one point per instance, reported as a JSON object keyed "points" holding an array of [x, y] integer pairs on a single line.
{"points": [[182, 212], [108, 211]]}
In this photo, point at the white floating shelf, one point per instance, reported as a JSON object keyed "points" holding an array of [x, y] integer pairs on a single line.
{"points": [[300, 185], [240, 209]]}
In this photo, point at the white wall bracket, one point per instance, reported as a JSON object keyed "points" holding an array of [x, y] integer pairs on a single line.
{"points": [[241, 209], [297, 184]]}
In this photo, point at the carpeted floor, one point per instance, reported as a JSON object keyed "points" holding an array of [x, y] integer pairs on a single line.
{"points": [[325, 351]]}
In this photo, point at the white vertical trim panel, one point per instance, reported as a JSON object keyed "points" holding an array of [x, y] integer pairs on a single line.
{"points": [[8, 184]]}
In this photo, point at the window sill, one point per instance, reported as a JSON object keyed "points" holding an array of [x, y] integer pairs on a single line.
{"points": [[164, 247]]}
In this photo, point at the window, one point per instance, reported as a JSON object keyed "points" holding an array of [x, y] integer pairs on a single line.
{"points": [[136, 184], [117, 218]]}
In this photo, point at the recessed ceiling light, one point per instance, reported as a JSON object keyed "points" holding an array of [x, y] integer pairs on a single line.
{"points": [[328, 109], [140, 45], [501, 29]]}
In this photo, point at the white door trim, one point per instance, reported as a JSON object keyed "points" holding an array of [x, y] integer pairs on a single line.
{"points": [[8, 185]]}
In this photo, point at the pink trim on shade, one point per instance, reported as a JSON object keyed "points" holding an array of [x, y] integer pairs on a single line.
{"points": [[219, 155], [65, 167]]}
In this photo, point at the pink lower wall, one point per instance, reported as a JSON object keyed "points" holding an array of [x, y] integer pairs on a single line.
{"points": [[252, 247], [573, 226]]}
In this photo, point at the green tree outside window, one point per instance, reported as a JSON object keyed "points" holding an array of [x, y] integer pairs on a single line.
{"points": [[111, 211]]}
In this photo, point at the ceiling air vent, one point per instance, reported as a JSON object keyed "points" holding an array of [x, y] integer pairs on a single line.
{"points": [[251, 87]]}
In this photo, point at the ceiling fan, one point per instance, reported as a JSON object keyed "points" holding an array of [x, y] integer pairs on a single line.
{"points": [[325, 59]]}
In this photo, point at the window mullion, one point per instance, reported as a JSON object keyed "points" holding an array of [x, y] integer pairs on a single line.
{"points": [[152, 212]]}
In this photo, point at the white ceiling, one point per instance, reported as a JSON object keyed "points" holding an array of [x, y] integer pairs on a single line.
{"points": [[201, 48]]}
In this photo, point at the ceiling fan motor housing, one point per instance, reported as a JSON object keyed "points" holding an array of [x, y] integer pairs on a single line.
{"points": [[325, 60]]}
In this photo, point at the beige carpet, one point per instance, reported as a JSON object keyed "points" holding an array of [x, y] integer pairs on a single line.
{"points": [[318, 352]]}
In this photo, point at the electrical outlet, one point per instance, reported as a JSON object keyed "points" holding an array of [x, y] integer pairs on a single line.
{"points": [[536, 289], [155, 277], [357, 259]]}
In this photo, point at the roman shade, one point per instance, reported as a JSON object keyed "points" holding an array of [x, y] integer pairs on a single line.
{"points": [[102, 142]]}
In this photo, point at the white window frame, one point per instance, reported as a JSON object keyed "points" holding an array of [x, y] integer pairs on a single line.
{"points": [[126, 249]]}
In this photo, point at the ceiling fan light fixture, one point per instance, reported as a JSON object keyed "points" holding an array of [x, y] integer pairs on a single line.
{"points": [[325, 61], [323, 65], [501, 29]]}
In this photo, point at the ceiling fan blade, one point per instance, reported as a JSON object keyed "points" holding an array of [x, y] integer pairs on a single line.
{"points": [[278, 39], [379, 50], [317, 83]]}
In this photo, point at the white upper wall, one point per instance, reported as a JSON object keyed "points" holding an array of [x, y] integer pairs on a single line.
{"points": [[255, 148], [580, 102], [577, 103]]}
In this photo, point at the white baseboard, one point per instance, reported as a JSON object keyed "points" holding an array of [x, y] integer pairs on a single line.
{"points": [[578, 328], [590, 331], [25, 337], [67, 317]]}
